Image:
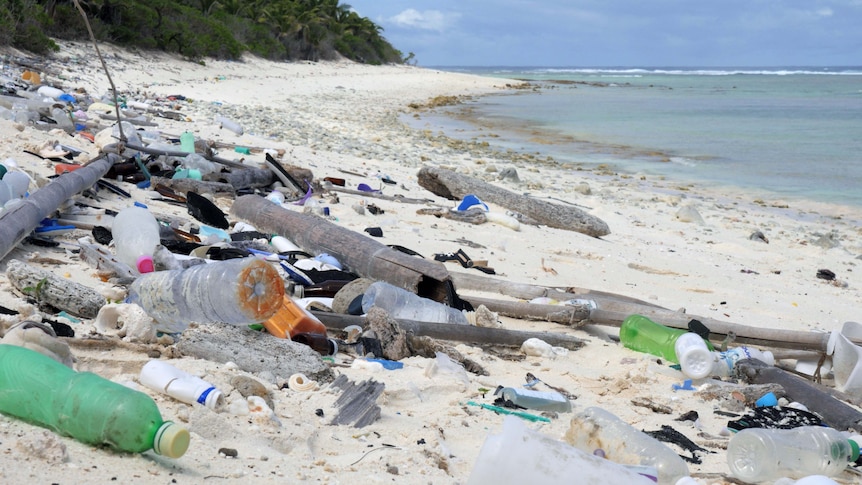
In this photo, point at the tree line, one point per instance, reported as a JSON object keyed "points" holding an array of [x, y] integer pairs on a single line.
{"points": [[311, 30]]}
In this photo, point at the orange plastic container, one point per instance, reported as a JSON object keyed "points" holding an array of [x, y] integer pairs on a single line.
{"points": [[291, 320], [61, 168]]}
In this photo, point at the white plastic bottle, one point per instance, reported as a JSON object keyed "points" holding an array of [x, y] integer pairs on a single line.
{"points": [[162, 377], [136, 235], [406, 305], [538, 400], [726, 361], [236, 291], [596, 429], [757, 454]]}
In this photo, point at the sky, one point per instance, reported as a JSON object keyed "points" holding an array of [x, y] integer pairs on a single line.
{"points": [[648, 33]]}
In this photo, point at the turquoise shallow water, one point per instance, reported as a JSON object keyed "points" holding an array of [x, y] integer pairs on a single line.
{"points": [[794, 132]]}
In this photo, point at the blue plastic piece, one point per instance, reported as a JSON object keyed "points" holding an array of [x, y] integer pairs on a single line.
{"points": [[388, 364], [68, 98], [329, 259], [141, 205], [686, 386], [49, 227], [768, 400], [471, 200], [207, 231], [366, 188]]}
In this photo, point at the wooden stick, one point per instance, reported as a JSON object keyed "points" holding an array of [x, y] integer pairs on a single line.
{"points": [[569, 315], [363, 255], [525, 291], [458, 333], [452, 185]]}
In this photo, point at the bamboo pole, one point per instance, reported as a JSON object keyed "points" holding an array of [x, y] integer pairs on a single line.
{"points": [[458, 333]]}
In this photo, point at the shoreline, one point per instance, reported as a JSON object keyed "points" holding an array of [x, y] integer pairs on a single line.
{"points": [[342, 120], [475, 121]]}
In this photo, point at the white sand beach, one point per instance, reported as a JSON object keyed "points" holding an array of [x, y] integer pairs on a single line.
{"points": [[342, 120]]}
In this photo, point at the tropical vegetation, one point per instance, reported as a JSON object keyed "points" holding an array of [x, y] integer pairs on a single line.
{"points": [[309, 30]]}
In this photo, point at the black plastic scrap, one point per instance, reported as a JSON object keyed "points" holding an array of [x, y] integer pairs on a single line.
{"points": [[775, 417], [357, 403], [670, 435]]}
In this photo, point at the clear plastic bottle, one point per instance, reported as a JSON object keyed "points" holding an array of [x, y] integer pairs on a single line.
{"points": [[162, 377], [758, 454], [726, 361], [235, 291], [538, 400], [643, 335], [403, 304], [84, 406], [136, 235], [597, 429]]}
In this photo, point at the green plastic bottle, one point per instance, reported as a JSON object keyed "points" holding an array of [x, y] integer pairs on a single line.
{"points": [[84, 406], [644, 335]]}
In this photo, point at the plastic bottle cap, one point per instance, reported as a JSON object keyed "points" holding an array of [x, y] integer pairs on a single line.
{"points": [[854, 446], [694, 357], [172, 440], [145, 264]]}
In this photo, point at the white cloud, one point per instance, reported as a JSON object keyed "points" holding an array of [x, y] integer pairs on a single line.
{"points": [[825, 12], [427, 20]]}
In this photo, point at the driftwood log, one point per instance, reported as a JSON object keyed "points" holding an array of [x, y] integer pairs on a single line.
{"points": [[197, 186], [243, 178], [50, 289], [451, 185], [458, 333], [611, 309], [360, 253], [19, 221]]}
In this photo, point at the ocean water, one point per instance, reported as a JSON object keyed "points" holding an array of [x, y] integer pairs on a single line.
{"points": [[794, 133]]}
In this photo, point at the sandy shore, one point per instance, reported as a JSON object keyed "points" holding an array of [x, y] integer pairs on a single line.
{"points": [[341, 120]]}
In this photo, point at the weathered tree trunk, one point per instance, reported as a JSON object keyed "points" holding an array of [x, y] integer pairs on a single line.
{"points": [[363, 255], [451, 185], [60, 293], [243, 178]]}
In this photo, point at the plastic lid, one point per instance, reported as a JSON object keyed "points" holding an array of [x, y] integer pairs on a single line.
{"points": [[145, 264], [172, 440], [694, 357]]}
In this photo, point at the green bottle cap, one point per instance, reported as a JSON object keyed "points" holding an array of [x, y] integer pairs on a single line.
{"points": [[854, 449], [172, 440], [2, 170]]}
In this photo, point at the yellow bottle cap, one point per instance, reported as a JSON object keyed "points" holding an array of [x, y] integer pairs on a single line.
{"points": [[172, 440]]}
